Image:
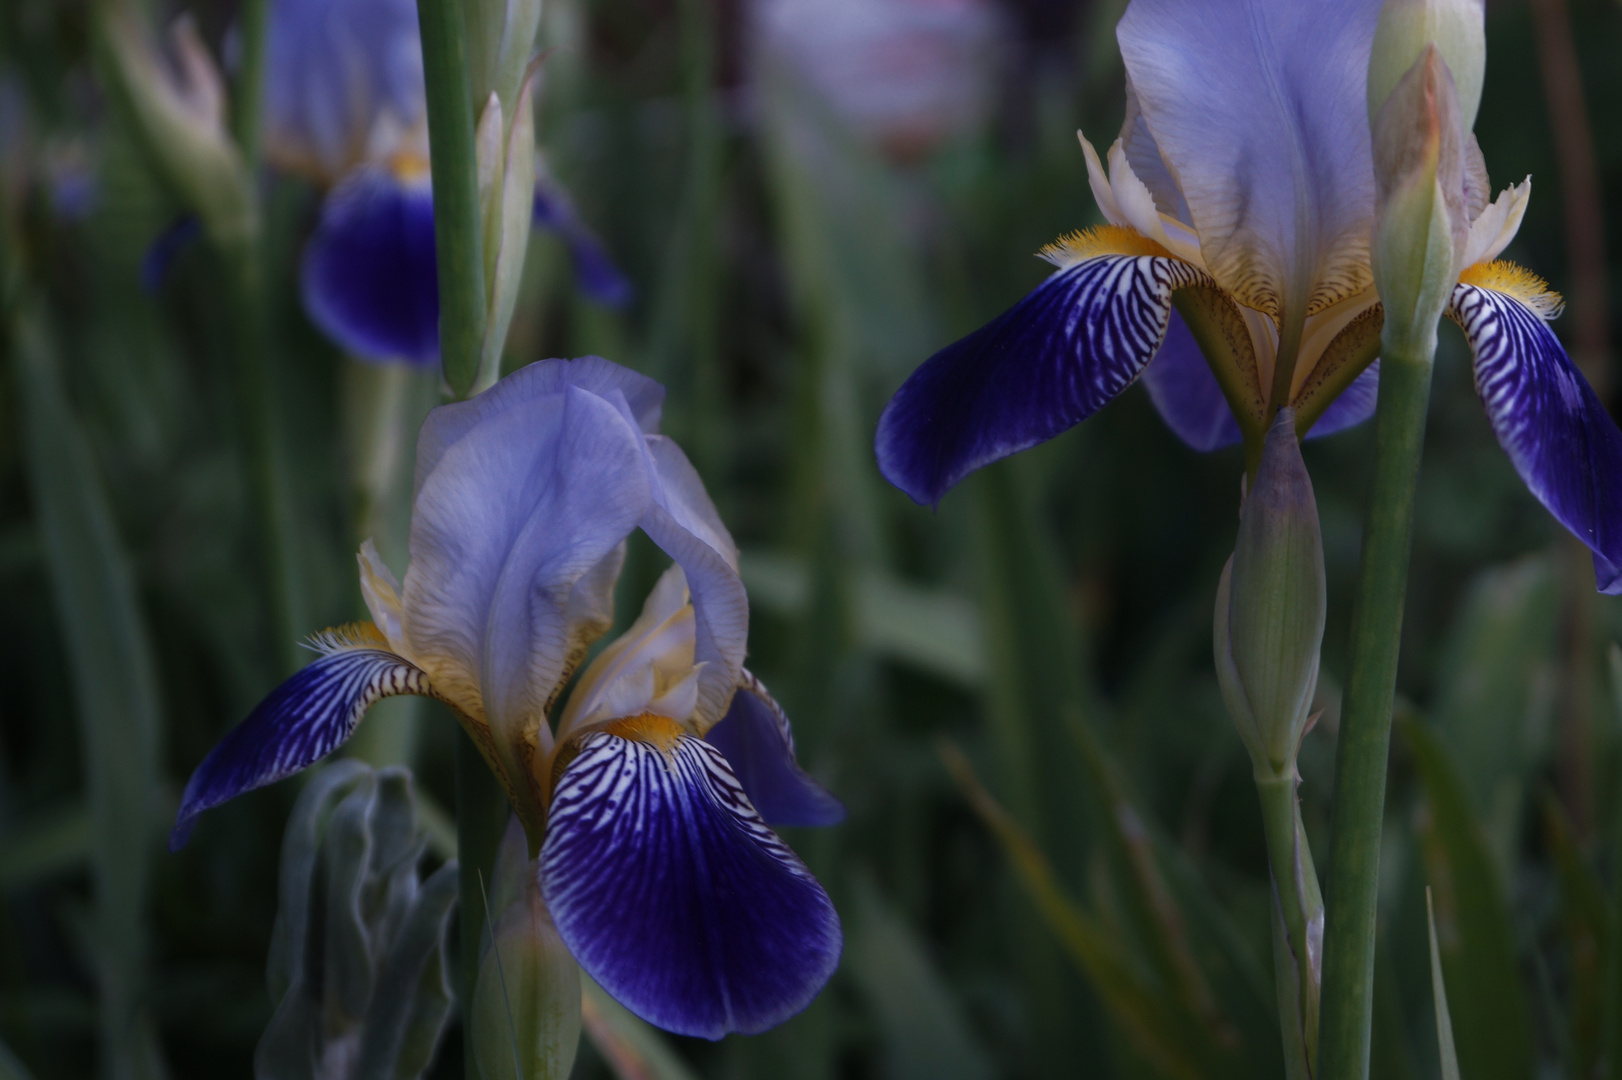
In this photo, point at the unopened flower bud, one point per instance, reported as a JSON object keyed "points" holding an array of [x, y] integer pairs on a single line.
{"points": [[1421, 221], [1406, 27], [1270, 606], [525, 1015], [179, 116]]}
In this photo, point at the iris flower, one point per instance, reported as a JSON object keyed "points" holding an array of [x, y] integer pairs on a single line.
{"points": [[345, 106], [1240, 206], [649, 797]]}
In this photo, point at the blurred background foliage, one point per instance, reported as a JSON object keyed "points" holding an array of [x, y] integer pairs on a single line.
{"points": [[1054, 863]]}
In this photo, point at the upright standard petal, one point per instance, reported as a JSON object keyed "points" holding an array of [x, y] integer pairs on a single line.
{"points": [[508, 519], [757, 742], [369, 278], [1049, 362], [1257, 108], [333, 69], [672, 892], [302, 721], [1546, 416]]}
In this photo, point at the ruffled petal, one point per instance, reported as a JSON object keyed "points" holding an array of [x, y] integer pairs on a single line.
{"points": [[672, 892], [1562, 441], [368, 277], [1048, 363], [757, 742], [1258, 109], [333, 69], [1186, 394], [594, 271], [302, 721], [519, 499]]}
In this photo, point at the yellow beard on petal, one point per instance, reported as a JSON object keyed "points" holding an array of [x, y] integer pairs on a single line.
{"points": [[355, 635], [658, 731], [1516, 281], [1099, 240]]}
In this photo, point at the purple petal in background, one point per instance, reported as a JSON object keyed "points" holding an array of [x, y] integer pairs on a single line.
{"points": [[1186, 394], [594, 271], [755, 738], [673, 894], [1355, 404], [369, 275]]}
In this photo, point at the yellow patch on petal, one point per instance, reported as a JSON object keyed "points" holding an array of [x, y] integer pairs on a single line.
{"points": [[408, 166], [1516, 281], [658, 731], [355, 635], [1086, 244]]}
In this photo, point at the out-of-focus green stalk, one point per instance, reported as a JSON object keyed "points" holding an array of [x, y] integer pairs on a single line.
{"points": [[247, 97], [1298, 921], [268, 472], [456, 195], [1365, 726]]}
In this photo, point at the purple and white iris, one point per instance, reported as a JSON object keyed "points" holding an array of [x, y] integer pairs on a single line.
{"points": [[344, 106], [653, 794], [1241, 189]]}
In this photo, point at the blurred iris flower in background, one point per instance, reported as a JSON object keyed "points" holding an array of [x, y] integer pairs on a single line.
{"points": [[1252, 211], [654, 790], [345, 108]]}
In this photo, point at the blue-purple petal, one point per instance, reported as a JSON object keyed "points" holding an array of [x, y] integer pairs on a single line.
{"points": [[594, 271], [1354, 405], [1049, 362], [757, 742], [1547, 418], [674, 895], [299, 723], [369, 275], [1186, 394]]}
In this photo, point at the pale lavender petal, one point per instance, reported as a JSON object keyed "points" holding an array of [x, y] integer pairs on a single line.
{"points": [[1547, 418], [674, 895], [1257, 107]]}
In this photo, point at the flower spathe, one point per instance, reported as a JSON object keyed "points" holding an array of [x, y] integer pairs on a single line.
{"points": [[1241, 190], [657, 862]]}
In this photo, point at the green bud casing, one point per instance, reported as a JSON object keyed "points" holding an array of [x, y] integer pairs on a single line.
{"points": [[1271, 606], [1406, 27], [1421, 221]]}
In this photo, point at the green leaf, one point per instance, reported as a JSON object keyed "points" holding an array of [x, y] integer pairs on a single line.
{"points": [[1444, 1022], [114, 682], [924, 1031], [413, 996], [49, 842], [1475, 936], [1585, 918], [11, 1068]]}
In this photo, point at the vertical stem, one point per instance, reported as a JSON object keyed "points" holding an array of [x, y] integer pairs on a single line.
{"points": [[248, 96], [456, 192], [1365, 732], [481, 815], [268, 477]]}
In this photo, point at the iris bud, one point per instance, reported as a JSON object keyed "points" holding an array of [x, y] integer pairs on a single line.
{"points": [[179, 116], [1270, 606], [525, 1016], [1406, 27], [1421, 221]]}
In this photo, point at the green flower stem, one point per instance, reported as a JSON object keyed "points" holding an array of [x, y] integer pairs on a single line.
{"points": [[1365, 726], [247, 98], [1298, 913], [268, 474], [454, 170], [481, 816]]}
